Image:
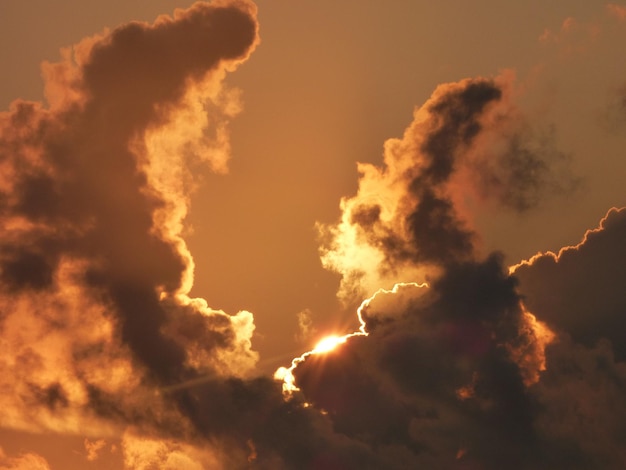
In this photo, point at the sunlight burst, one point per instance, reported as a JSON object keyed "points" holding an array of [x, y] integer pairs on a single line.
{"points": [[329, 343]]}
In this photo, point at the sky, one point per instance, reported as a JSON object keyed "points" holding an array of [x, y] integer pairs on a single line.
{"points": [[195, 194]]}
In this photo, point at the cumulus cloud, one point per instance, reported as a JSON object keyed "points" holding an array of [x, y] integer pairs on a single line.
{"points": [[94, 274], [579, 293], [144, 453], [468, 370], [460, 373], [93, 448], [100, 336], [580, 289], [582, 407], [408, 218], [462, 365]]}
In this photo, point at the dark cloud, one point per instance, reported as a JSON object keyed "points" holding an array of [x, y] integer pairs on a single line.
{"points": [[26, 268], [52, 396], [94, 273], [460, 375], [582, 407], [438, 379], [285, 433], [101, 337], [527, 169], [79, 186], [469, 140], [436, 230], [580, 289], [456, 118]]}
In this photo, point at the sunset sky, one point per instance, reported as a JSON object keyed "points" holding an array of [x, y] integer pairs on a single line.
{"points": [[192, 199]]}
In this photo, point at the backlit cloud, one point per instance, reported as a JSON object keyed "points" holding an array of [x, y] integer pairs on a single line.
{"points": [[408, 218], [26, 461], [458, 361], [95, 274], [580, 288]]}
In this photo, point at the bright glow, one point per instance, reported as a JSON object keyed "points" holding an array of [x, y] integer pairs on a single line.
{"points": [[557, 256], [531, 356], [285, 374], [329, 343]]}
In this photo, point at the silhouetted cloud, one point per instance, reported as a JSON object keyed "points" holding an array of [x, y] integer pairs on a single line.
{"points": [[580, 289], [100, 337], [460, 373], [441, 382], [582, 410]]}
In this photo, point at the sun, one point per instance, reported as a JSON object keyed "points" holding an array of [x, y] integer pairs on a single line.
{"points": [[329, 343]]}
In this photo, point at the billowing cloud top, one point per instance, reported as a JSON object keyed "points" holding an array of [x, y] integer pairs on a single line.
{"points": [[578, 289], [408, 218]]}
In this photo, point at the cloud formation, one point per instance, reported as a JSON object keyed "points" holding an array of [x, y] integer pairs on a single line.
{"points": [[409, 216], [460, 373], [443, 381], [580, 288], [478, 367], [95, 276], [100, 336]]}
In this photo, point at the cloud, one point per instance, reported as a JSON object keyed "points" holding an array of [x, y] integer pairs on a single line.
{"points": [[409, 218], [27, 461], [95, 276], [475, 368], [442, 374], [100, 336], [581, 398], [447, 374], [580, 289], [459, 372], [578, 292], [467, 370]]}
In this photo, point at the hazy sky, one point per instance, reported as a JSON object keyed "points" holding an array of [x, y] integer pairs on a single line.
{"points": [[353, 146]]}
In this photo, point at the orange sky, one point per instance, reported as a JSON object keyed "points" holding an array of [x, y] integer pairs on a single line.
{"points": [[327, 86]]}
